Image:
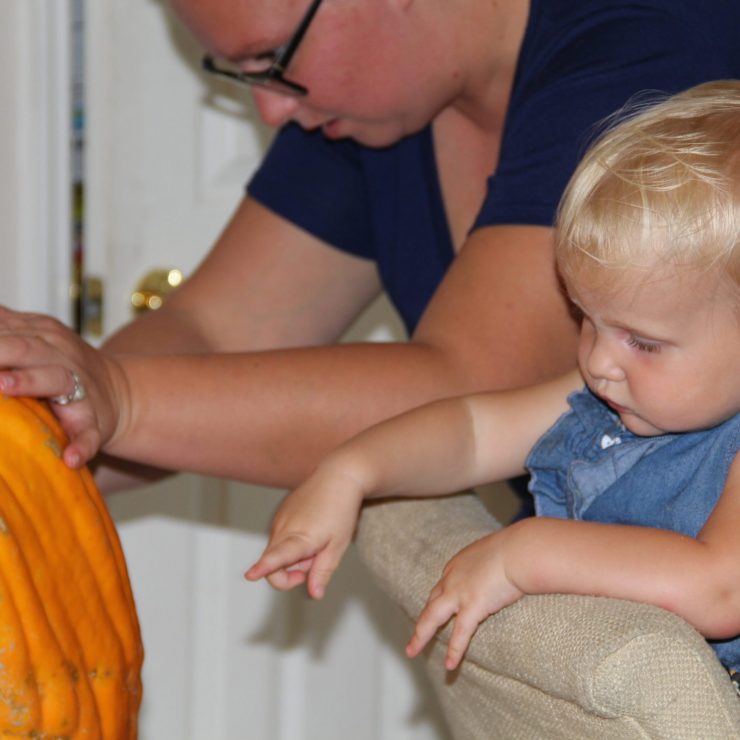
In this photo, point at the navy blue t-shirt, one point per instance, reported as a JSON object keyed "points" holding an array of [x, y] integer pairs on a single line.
{"points": [[579, 62]]}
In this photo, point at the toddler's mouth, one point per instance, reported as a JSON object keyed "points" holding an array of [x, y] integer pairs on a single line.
{"points": [[616, 406]]}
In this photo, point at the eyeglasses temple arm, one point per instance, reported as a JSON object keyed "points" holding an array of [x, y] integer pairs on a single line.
{"points": [[287, 53]]}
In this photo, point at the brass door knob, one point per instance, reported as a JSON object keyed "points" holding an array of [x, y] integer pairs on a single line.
{"points": [[153, 288]]}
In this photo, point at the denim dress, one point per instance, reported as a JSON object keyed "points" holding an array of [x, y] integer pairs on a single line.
{"points": [[588, 466]]}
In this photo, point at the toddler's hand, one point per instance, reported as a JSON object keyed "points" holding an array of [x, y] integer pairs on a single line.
{"points": [[473, 586], [311, 530]]}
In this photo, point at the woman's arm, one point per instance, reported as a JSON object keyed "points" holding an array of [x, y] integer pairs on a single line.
{"points": [[498, 320], [698, 579], [264, 285]]}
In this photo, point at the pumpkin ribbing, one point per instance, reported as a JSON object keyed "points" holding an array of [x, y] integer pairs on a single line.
{"points": [[71, 652]]}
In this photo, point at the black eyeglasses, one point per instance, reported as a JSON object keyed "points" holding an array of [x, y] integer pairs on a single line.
{"points": [[272, 77]]}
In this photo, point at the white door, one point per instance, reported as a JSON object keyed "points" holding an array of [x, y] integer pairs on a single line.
{"points": [[35, 236], [168, 154]]}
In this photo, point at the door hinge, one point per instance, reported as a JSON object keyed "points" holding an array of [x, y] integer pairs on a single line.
{"points": [[90, 307]]}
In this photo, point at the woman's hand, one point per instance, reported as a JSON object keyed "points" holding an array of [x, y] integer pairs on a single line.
{"points": [[311, 530], [42, 358], [473, 586]]}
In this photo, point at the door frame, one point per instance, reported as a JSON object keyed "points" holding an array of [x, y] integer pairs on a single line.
{"points": [[35, 156]]}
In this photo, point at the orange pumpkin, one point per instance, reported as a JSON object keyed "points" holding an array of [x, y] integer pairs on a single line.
{"points": [[70, 646]]}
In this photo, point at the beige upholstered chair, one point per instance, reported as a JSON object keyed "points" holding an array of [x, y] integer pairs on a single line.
{"points": [[550, 666]]}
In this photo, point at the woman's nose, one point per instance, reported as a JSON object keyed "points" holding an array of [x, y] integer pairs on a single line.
{"points": [[274, 108]]}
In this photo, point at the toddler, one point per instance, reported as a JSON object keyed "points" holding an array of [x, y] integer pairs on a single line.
{"points": [[633, 458]]}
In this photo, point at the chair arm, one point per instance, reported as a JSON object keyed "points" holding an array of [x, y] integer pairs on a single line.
{"points": [[549, 666]]}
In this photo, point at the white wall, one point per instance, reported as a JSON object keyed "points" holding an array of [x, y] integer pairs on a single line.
{"points": [[10, 155], [34, 156]]}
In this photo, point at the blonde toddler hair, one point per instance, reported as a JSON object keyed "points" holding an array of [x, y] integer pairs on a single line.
{"points": [[659, 190]]}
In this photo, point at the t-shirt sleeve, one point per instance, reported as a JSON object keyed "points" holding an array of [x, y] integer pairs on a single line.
{"points": [[571, 79], [319, 186]]}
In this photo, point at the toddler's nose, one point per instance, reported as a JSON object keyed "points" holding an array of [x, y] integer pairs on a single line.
{"points": [[602, 362]]}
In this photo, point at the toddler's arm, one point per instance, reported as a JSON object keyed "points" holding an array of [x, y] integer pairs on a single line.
{"points": [[437, 449], [698, 579]]}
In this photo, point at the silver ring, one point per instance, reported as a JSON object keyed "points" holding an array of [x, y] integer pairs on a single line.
{"points": [[77, 393]]}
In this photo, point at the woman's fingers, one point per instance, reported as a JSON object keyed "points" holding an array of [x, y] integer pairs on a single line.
{"points": [[76, 416], [84, 435], [42, 358], [41, 381]]}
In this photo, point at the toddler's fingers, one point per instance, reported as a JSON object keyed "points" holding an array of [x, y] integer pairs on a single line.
{"points": [[435, 614], [280, 554], [302, 565], [284, 579], [462, 632], [325, 563]]}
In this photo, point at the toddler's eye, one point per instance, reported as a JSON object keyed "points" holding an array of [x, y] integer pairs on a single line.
{"points": [[642, 345]]}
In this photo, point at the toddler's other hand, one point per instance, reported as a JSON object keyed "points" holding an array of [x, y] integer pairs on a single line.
{"points": [[473, 586]]}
